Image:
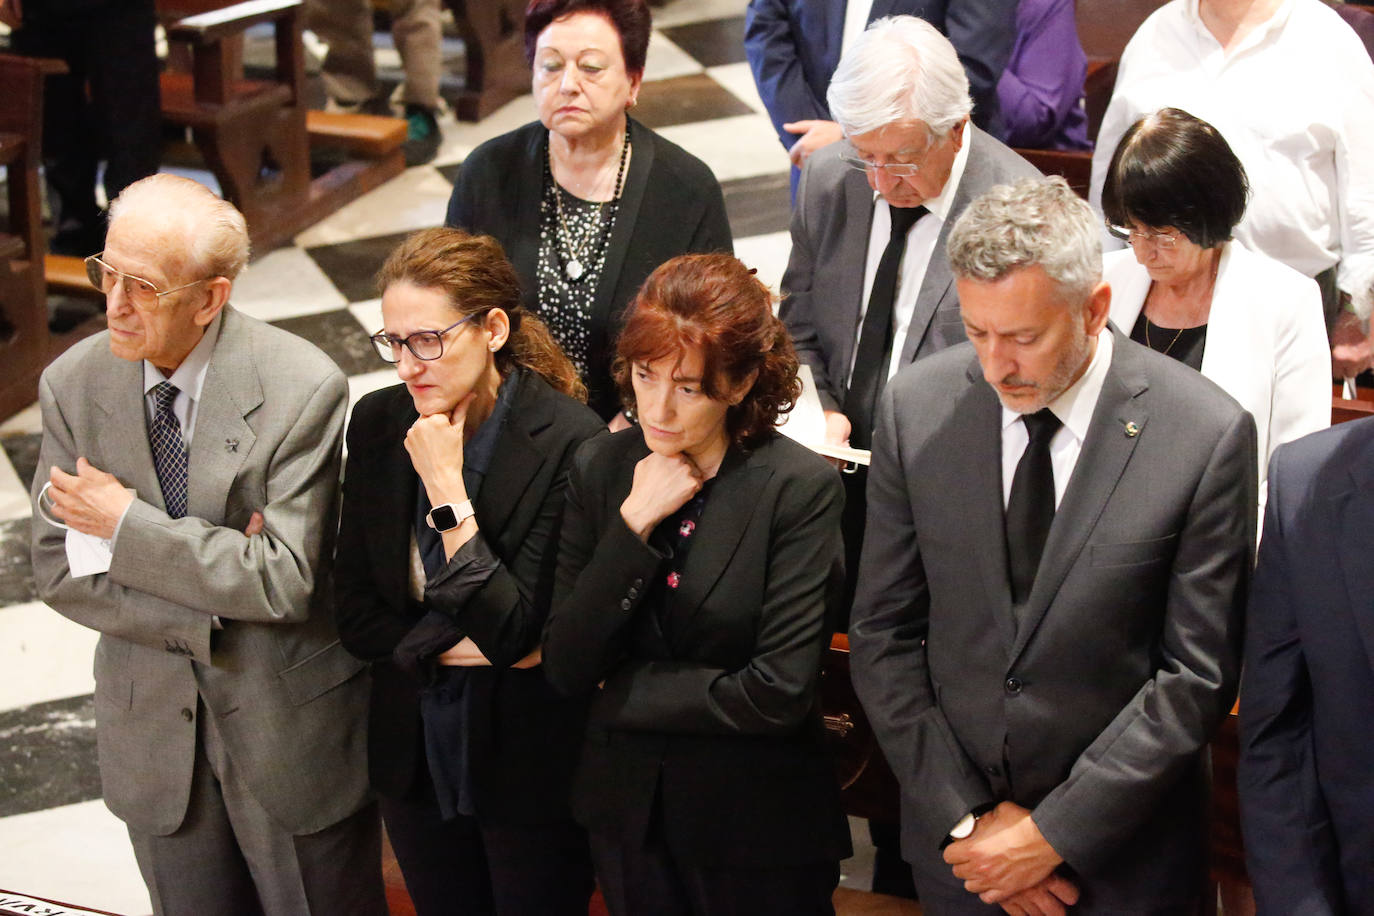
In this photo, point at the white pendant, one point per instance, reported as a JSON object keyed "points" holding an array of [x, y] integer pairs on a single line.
{"points": [[574, 269]]}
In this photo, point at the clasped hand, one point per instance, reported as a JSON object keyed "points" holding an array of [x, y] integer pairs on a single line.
{"points": [[89, 501], [662, 485], [1007, 861]]}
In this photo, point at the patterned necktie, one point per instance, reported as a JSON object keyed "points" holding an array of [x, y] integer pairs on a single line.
{"points": [[873, 353], [1030, 509], [170, 456]]}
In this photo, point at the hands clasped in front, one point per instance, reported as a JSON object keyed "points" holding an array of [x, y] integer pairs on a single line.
{"points": [[662, 485], [1007, 861]]}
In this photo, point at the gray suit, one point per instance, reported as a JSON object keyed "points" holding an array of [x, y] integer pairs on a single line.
{"points": [[824, 281], [287, 702], [1094, 703]]}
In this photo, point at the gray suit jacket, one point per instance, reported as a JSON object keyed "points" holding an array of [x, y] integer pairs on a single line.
{"points": [[824, 281], [1092, 705], [288, 700]]}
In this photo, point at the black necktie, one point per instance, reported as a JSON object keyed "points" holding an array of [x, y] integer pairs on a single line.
{"points": [[170, 457], [1030, 509], [873, 354]]}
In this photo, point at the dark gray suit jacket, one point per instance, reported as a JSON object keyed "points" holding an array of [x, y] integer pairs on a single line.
{"points": [[1093, 704], [1308, 697], [824, 281], [288, 701]]}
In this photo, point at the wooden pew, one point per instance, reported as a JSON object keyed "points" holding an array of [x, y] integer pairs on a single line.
{"points": [[255, 134], [494, 38]]}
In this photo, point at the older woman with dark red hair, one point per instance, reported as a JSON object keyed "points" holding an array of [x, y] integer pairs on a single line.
{"points": [[699, 554], [586, 201]]}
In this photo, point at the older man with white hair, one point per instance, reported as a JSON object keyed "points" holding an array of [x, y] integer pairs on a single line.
{"points": [[189, 508], [1047, 629]]}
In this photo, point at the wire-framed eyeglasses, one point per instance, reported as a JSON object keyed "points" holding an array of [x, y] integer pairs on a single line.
{"points": [[141, 293], [424, 345], [902, 167], [1164, 240]]}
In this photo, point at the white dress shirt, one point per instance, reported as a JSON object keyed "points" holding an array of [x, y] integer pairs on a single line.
{"points": [[856, 13], [1074, 408], [1295, 100], [920, 245], [189, 378]]}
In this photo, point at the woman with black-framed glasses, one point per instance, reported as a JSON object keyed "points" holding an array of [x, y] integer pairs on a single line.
{"points": [[452, 500]]}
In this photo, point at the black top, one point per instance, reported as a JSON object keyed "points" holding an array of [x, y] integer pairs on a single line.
{"points": [[496, 589], [1183, 344], [671, 205]]}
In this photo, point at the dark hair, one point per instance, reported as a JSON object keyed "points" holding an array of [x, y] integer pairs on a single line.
{"points": [[716, 304], [630, 18], [1172, 169], [472, 271]]}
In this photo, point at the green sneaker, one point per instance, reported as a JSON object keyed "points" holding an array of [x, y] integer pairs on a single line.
{"points": [[422, 136]]}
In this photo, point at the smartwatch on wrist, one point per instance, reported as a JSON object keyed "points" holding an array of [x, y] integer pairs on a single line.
{"points": [[449, 515], [964, 829]]}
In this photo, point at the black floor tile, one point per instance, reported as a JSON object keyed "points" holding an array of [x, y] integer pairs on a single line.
{"points": [[352, 266], [685, 99], [16, 572], [714, 42], [22, 451], [758, 205], [450, 171], [339, 335], [47, 756]]}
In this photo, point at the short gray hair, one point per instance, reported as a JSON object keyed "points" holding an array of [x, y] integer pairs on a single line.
{"points": [[215, 233], [899, 69], [1036, 221]]}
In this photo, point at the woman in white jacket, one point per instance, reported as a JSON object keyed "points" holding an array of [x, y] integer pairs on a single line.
{"points": [[1187, 289]]}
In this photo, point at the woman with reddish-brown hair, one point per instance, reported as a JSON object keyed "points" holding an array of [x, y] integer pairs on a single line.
{"points": [[699, 553], [586, 200]]}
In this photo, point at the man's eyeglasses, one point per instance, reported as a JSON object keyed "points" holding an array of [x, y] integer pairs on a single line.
{"points": [[141, 293], [864, 162], [424, 345], [1164, 240]]}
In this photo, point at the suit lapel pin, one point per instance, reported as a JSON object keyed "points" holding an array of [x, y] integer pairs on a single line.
{"points": [[1132, 429], [231, 445]]}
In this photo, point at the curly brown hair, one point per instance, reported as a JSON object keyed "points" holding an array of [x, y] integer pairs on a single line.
{"points": [[472, 271], [714, 303]]}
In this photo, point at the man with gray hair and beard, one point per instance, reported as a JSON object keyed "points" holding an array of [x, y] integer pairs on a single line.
{"points": [[191, 454], [1046, 632]]}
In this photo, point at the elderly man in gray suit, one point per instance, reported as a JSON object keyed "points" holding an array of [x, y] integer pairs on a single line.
{"points": [[193, 454], [1047, 629], [868, 288]]}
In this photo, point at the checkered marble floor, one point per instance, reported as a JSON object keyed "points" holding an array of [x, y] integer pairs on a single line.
{"points": [[56, 837]]}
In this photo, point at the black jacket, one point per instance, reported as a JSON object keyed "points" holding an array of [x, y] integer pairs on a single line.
{"points": [[523, 736], [713, 723], [671, 205]]}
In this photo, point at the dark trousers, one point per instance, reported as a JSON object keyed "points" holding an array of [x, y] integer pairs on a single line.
{"points": [[463, 868], [107, 107], [649, 881]]}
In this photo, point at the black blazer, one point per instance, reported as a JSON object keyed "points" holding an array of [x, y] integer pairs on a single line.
{"points": [[715, 721], [524, 737], [671, 204]]}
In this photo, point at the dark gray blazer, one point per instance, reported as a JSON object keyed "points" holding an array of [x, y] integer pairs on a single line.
{"points": [[824, 281], [671, 205], [1094, 705], [1307, 700], [288, 701]]}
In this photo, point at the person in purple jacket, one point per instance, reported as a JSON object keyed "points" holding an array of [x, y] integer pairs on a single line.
{"points": [[1041, 89]]}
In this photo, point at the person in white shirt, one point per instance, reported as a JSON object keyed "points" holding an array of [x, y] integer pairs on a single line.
{"points": [[1291, 88], [1185, 288]]}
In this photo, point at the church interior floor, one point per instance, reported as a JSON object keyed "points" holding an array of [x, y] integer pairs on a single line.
{"points": [[57, 839]]}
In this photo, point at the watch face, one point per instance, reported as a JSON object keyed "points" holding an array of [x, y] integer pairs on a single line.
{"points": [[443, 518]]}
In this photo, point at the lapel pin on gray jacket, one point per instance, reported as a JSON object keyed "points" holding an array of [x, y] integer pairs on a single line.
{"points": [[231, 445], [1132, 429]]}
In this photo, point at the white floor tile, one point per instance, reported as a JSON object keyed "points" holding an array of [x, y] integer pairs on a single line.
{"points": [[14, 499], [415, 199], [359, 385], [79, 854], [739, 79], [738, 147], [284, 284], [768, 254], [44, 656], [462, 137], [681, 12], [666, 60], [28, 420], [369, 315]]}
